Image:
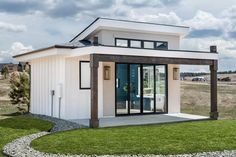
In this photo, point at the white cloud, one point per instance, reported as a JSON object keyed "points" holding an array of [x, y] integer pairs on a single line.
{"points": [[169, 18], [230, 12], [16, 48], [12, 27], [205, 20]]}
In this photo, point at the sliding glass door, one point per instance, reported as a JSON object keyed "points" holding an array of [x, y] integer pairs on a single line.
{"points": [[122, 91], [148, 88], [161, 89], [140, 89], [135, 104]]}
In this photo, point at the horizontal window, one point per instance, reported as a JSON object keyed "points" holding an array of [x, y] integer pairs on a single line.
{"points": [[148, 44], [161, 45], [135, 43], [122, 42], [84, 69]]}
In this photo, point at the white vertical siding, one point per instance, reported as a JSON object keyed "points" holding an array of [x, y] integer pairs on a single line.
{"points": [[46, 74]]}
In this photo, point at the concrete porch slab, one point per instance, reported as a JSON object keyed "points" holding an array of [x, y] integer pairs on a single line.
{"points": [[143, 119]]}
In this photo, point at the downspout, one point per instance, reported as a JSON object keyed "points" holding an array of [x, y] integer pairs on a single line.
{"points": [[59, 95], [52, 94]]}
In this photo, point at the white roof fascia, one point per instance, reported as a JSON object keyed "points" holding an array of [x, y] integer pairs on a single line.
{"points": [[130, 26], [141, 52], [44, 53], [116, 51]]}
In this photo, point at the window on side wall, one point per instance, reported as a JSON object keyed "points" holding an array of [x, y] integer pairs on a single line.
{"points": [[161, 45], [122, 42], [84, 69]]}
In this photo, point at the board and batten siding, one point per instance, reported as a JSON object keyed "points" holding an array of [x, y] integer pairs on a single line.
{"points": [[46, 74]]}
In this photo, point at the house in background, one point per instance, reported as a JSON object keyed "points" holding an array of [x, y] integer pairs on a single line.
{"points": [[10, 67], [115, 68]]}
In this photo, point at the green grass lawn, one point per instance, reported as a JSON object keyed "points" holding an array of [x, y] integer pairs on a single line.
{"points": [[188, 137], [15, 127]]}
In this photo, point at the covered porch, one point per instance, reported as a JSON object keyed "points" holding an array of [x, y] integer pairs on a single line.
{"points": [[96, 58], [144, 119]]}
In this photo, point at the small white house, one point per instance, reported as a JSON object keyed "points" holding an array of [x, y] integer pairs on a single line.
{"points": [[114, 68]]}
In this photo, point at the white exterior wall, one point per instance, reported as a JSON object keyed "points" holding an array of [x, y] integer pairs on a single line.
{"points": [[46, 75], [107, 37], [78, 100], [173, 91], [109, 92]]}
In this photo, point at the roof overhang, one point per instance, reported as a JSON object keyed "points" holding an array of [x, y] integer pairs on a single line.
{"points": [[130, 26], [143, 52], [87, 50], [44, 52]]}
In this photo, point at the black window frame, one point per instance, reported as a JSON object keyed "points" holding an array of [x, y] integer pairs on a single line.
{"points": [[142, 43], [82, 88], [128, 42], [155, 45]]}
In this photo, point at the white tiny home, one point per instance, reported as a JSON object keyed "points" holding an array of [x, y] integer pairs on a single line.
{"points": [[114, 68]]}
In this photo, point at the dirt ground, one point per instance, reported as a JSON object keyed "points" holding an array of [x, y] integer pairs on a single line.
{"points": [[195, 98], [6, 108]]}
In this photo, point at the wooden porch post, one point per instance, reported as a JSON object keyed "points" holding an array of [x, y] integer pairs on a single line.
{"points": [[213, 68], [94, 122]]}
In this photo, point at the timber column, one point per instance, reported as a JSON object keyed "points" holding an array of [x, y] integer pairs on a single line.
{"points": [[94, 121], [213, 68]]}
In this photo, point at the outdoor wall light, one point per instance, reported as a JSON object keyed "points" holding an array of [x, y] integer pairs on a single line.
{"points": [[106, 72], [175, 73]]}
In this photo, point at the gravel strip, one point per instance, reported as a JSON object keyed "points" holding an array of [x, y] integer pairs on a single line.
{"points": [[59, 124], [21, 146]]}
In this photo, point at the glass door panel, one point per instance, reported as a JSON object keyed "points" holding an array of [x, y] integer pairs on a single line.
{"points": [[122, 89], [140, 89], [135, 105], [148, 88], [160, 88]]}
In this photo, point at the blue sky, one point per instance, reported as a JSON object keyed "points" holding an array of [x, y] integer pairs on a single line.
{"points": [[31, 24]]}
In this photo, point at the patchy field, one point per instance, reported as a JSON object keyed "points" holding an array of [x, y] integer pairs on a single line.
{"points": [[195, 99], [6, 108]]}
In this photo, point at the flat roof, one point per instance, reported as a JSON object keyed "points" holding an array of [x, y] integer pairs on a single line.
{"points": [[104, 23]]}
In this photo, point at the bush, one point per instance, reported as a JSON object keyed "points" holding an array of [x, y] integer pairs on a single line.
{"points": [[20, 88]]}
